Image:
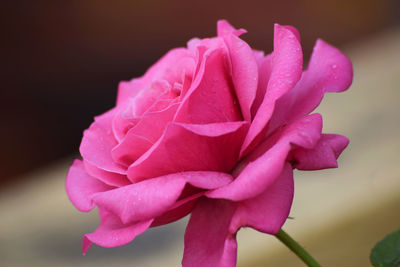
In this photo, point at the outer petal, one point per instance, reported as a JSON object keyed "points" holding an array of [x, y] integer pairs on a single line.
{"points": [[264, 165], [328, 71], [286, 69], [268, 211], [176, 213], [97, 143], [266, 65], [323, 156], [207, 179], [334, 68], [190, 147], [141, 201], [208, 239], [151, 198], [81, 187], [112, 232], [196, 181], [211, 98]]}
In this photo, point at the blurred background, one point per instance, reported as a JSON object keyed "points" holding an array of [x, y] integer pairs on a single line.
{"points": [[62, 60], [61, 64]]}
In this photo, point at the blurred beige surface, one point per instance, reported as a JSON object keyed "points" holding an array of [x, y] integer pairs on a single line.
{"points": [[339, 214]]}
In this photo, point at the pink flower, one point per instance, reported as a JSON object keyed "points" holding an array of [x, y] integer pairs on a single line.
{"points": [[215, 130]]}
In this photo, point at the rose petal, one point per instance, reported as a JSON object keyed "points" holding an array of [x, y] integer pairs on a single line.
{"points": [[175, 213], [166, 64], [244, 71], [142, 136], [112, 232], [207, 179], [225, 28], [148, 97], [208, 239], [323, 155], [81, 187], [97, 143], [129, 89], [202, 180], [264, 72], [151, 198], [130, 149], [110, 178], [286, 69], [334, 67], [268, 211], [178, 59], [294, 31], [211, 98], [123, 120], [190, 147], [260, 170], [141, 201], [328, 71], [259, 56]]}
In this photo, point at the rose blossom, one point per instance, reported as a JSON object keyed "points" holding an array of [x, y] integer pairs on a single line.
{"points": [[215, 130]]}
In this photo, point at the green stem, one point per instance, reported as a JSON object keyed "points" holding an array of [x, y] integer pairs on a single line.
{"points": [[297, 249]]}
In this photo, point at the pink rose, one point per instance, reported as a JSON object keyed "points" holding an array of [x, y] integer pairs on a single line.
{"points": [[215, 130]]}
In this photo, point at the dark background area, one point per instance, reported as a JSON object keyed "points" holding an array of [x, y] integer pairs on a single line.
{"points": [[61, 61]]}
